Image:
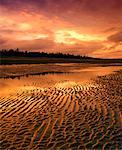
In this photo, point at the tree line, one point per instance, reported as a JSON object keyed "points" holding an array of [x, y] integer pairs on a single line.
{"points": [[20, 53]]}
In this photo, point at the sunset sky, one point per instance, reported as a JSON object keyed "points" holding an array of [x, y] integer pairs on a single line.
{"points": [[91, 27]]}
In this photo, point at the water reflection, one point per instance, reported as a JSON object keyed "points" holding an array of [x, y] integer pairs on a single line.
{"points": [[33, 74], [54, 79]]}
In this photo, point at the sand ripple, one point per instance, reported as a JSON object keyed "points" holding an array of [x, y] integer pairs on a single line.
{"points": [[77, 117]]}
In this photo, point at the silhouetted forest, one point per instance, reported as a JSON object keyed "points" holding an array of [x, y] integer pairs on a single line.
{"points": [[19, 53], [17, 56]]}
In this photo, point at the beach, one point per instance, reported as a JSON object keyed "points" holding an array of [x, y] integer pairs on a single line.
{"points": [[63, 115]]}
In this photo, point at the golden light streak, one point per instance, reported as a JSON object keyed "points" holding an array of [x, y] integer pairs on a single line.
{"points": [[33, 37], [71, 37]]}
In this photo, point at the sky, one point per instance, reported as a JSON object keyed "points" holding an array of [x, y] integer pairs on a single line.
{"points": [[85, 27]]}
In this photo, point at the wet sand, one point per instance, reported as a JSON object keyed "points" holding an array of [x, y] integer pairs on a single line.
{"points": [[72, 116]]}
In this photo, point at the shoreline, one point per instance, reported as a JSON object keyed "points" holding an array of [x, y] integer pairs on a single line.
{"points": [[41, 60]]}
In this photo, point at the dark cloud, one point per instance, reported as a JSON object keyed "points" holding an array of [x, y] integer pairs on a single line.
{"points": [[77, 12], [102, 5], [56, 6], [112, 29], [2, 41], [19, 5], [117, 37], [37, 44], [8, 31]]}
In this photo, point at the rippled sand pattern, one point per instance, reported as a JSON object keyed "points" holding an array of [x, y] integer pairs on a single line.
{"points": [[77, 117]]}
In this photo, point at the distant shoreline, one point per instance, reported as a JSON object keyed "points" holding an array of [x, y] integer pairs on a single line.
{"points": [[45, 60], [8, 57]]}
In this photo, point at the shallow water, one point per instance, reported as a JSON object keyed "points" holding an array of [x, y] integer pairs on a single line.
{"points": [[77, 74]]}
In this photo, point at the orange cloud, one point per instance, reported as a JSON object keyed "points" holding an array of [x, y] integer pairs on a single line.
{"points": [[72, 26]]}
